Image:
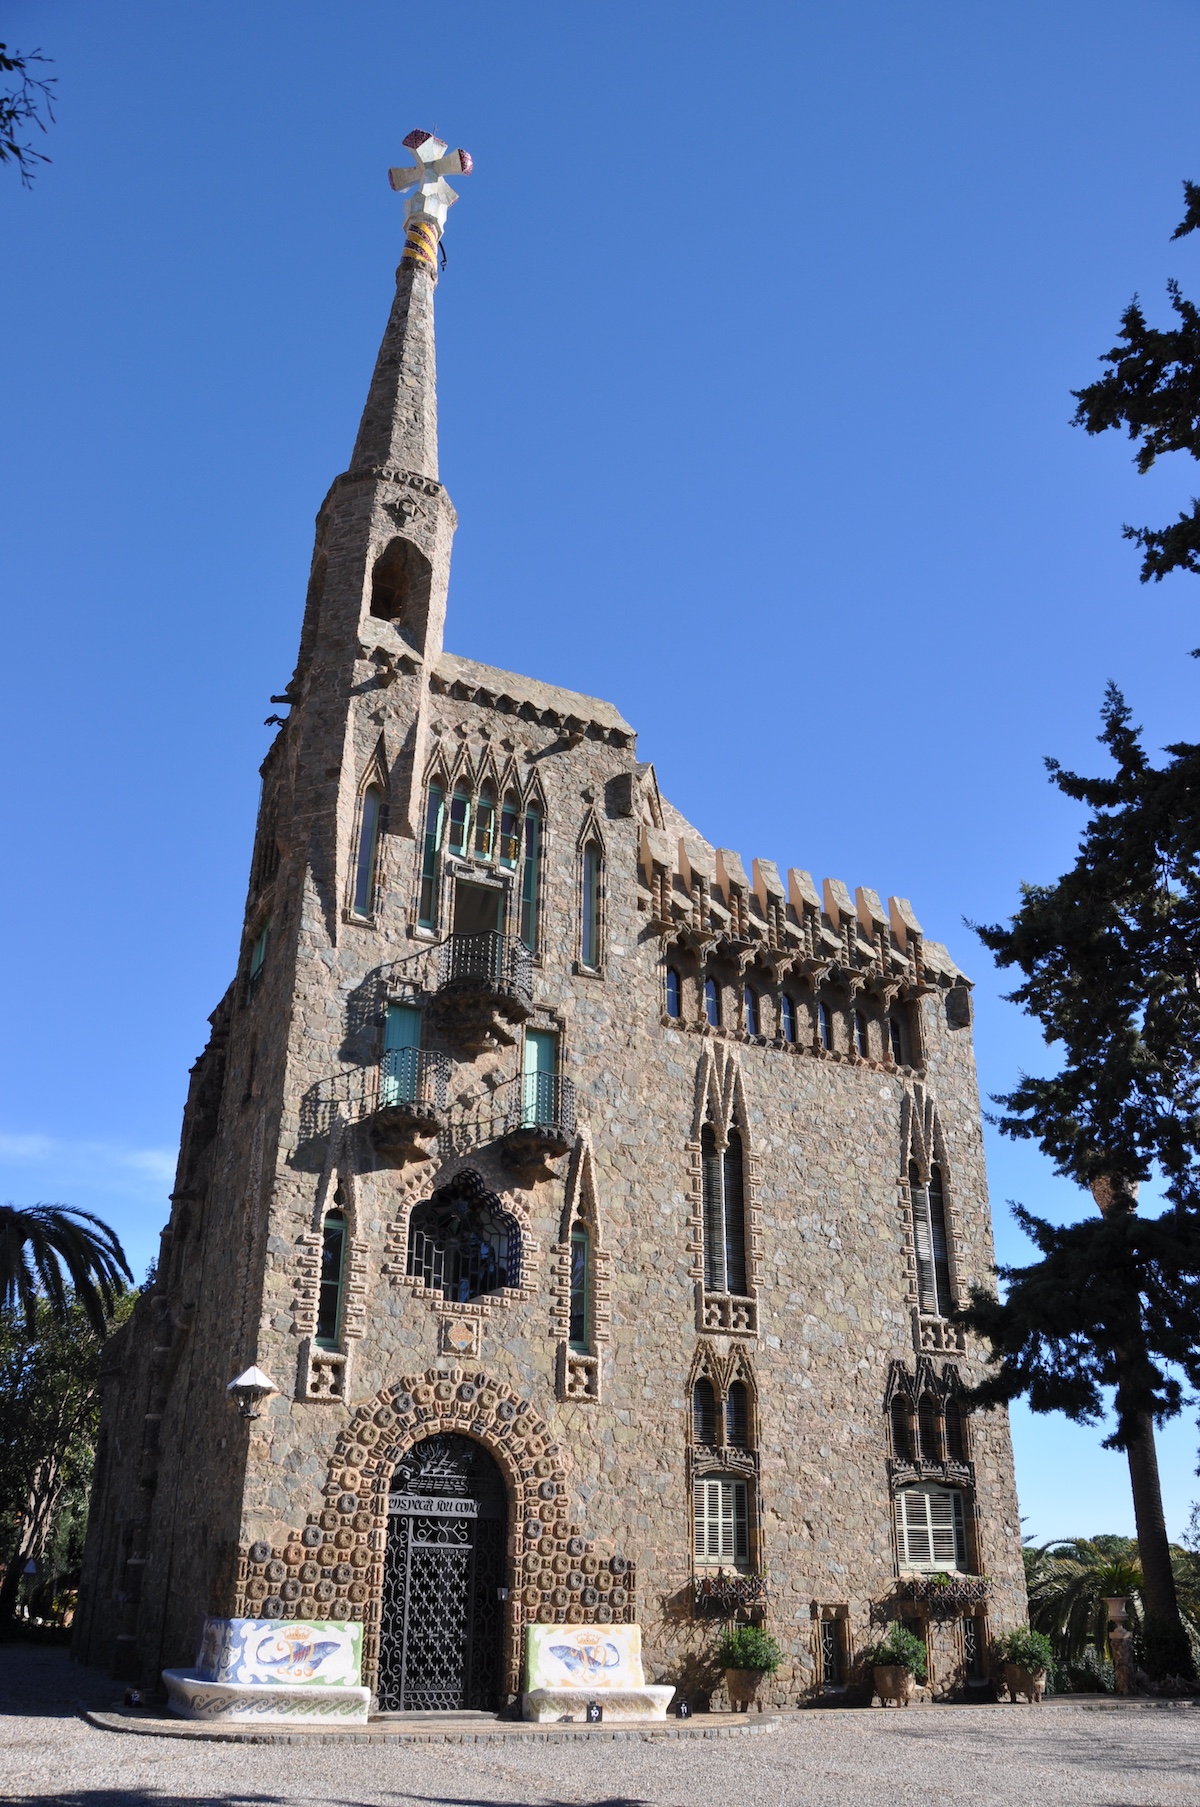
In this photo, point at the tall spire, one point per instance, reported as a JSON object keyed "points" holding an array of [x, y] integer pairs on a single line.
{"points": [[398, 429]]}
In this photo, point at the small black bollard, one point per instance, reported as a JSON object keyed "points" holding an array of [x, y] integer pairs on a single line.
{"points": [[594, 1712], [133, 1697], [682, 1709]]}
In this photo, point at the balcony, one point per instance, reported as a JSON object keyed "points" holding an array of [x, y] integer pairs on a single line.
{"points": [[402, 1100], [485, 987], [539, 1123]]}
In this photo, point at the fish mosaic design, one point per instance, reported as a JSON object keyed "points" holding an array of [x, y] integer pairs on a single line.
{"points": [[590, 1658], [292, 1652]]}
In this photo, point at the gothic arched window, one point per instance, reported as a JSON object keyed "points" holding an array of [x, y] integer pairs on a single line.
{"points": [[589, 923], [333, 1264], [531, 878], [712, 1002], [510, 832], [825, 1018], [902, 1447], [674, 993], [956, 1441], [737, 1415], [724, 1213], [929, 1427], [485, 824], [930, 1242], [462, 1243], [896, 1040], [368, 847], [427, 907], [579, 1333], [860, 1034], [704, 1412], [460, 822], [787, 1018], [750, 1005]]}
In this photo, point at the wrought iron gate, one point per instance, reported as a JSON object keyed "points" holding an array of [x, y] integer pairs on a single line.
{"points": [[443, 1571]]}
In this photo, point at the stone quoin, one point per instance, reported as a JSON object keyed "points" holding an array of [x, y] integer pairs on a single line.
{"points": [[597, 1208]]}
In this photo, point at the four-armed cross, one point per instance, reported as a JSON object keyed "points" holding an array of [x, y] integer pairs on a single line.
{"points": [[432, 196]]}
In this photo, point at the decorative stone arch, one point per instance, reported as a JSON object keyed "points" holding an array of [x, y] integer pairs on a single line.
{"points": [[579, 1372], [332, 1566], [324, 1374], [923, 1145], [375, 772], [591, 833], [720, 1100]]}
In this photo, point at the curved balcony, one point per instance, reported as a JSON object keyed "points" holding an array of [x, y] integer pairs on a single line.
{"points": [[540, 1120], [402, 1100], [485, 985]]}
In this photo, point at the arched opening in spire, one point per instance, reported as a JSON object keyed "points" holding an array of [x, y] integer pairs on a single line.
{"points": [[400, 584]]}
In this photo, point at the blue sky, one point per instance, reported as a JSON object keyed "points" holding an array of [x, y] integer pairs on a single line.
{"points": [[756, 345]]}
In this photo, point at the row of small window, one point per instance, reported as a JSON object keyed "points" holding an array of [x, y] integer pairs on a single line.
{"points": [[709, 1419], [931, 1530], [936, 1432], [788, 1016]]}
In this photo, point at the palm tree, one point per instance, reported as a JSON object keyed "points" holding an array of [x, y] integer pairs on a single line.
{"points": [[36, 1245], [1068, 1584]]}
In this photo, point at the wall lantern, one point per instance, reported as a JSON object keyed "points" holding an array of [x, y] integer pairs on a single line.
{"points": [[250, 1389]]}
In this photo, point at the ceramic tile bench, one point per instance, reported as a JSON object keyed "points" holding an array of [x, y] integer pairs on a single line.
{"points": [[566, 1666]]}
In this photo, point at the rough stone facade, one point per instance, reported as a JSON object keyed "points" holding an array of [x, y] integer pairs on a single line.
{"points": [[806, 1361]]}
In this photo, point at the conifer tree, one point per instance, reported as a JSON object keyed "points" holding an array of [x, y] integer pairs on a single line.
{"points": [[1153, 391], [1110, 957]]}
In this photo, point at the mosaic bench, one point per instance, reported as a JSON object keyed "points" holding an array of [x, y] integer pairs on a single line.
{"points": [[566, 1666], [274, 1670]]}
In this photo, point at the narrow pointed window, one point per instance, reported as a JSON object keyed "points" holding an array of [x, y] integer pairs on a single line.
{"points": [[860, 1034], [674, 993], [896, 1040], [939, 1243], [589, 940], [581, 1287], [787, 1018], [510, 833], [333, 1262], [714, 1213], [737, 1415], [258, 956], [750, 1006], [902, 1446], [435, 809], [825, 1016], [930, 1429], [368, 849], [956, 1441], [712, 1002], [704, 1412], [531, 878], [460, 822], [485, 824], [931, 1242]]}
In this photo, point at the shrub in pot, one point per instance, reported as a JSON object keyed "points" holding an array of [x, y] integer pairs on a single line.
{"points": [[1026, 1656], [746, 1653], [897, 1664]]}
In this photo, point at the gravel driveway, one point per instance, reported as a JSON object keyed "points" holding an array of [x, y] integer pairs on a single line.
{"points": [[925, 1757]]}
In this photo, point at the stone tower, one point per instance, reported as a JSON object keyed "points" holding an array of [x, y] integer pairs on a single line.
{"points": [[544, 1159]]}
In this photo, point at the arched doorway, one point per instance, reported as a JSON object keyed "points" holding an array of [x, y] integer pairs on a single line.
{"points": [[442, 1576]]}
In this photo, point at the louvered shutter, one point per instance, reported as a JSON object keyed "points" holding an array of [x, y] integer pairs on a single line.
{"points": [[721, 1521], [922, 1242], [930, 1529], [714, 1214]]}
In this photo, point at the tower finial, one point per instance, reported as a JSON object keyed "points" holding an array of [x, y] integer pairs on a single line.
{"points": [[428, 195]]}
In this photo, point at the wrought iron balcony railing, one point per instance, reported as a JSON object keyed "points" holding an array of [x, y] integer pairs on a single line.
{"points": [[532, 1115], [487, 962], [407, 1087]]}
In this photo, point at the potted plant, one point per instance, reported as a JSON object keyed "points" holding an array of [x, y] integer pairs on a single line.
{"points": [[1026, 1656], [746, 1653], [897, 1664]]}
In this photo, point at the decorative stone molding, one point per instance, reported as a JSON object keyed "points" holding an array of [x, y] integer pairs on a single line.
{"points": [[332, 1566], [720, 1100], [578, 1370], [922, 1143], [323, 1374], [425, 1179], [938, 1336]]}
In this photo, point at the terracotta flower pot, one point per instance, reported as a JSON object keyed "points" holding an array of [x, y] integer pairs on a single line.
{"points": [[1029, 1682], [895, 1683], [742, 1687]]}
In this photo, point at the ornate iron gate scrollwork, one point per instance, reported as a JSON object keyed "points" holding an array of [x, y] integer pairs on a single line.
{"points": [[444, 1567]]}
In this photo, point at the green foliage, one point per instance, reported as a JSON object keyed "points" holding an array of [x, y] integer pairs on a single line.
{"points": [[49, 1419], [1109, 956], [901, 1649], [22, 104], [1163, 1649], [1152, 389], [747, 1647], [1068, 1582], [37, 1244], [1027, 1649]]}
